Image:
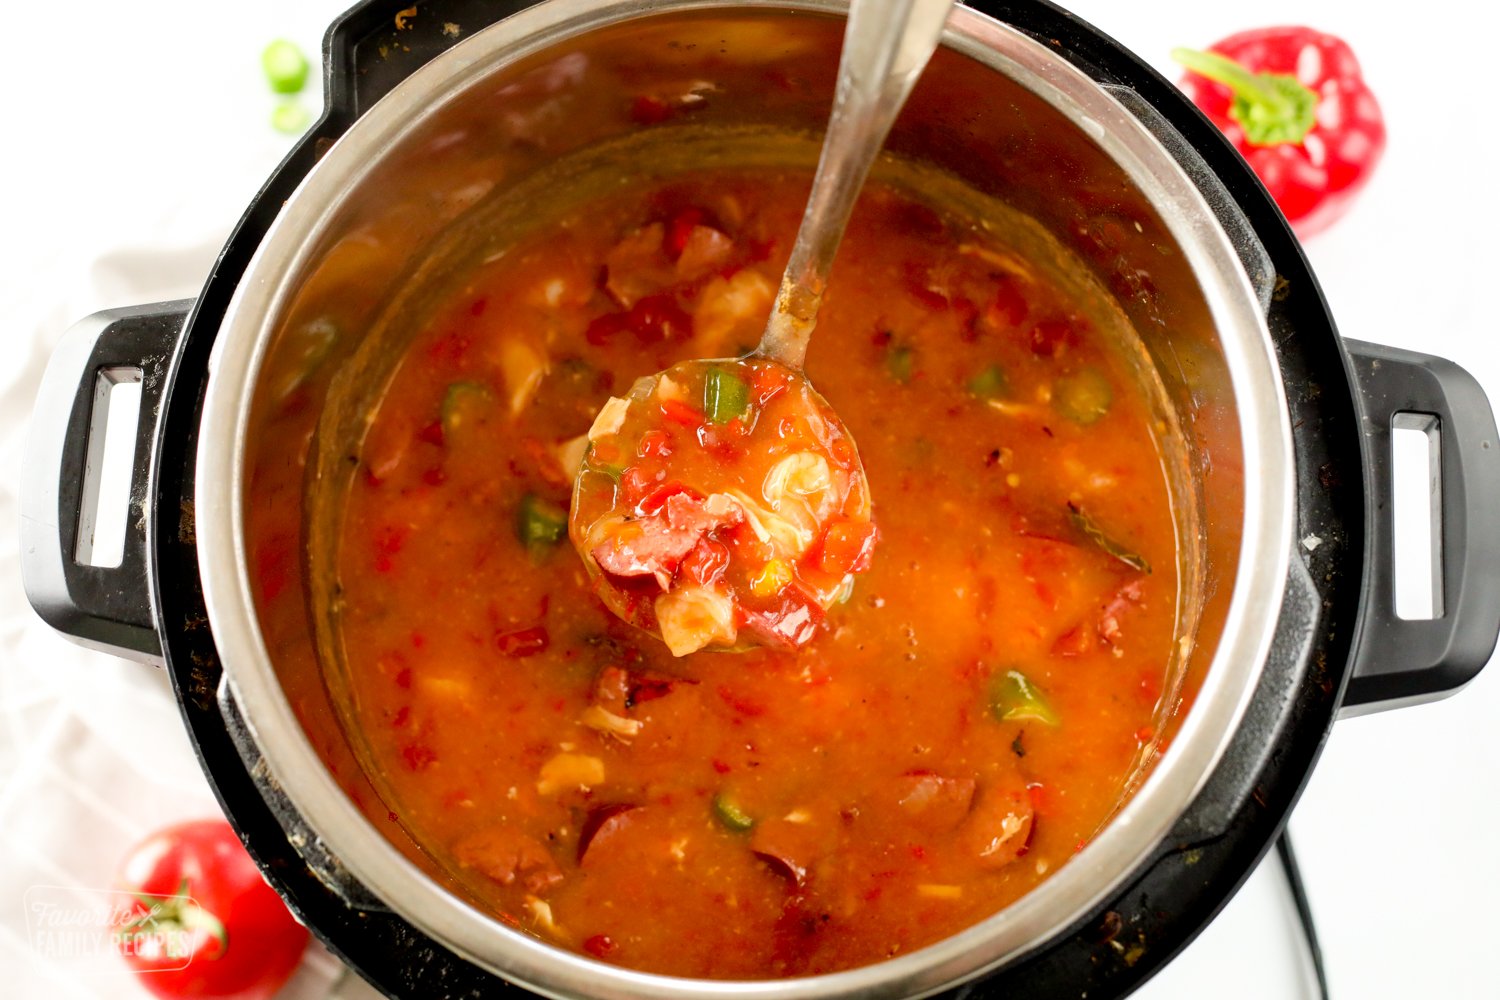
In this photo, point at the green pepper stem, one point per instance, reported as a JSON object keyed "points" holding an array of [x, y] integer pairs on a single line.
{"points": [[1231, 74], [1273, 107]]}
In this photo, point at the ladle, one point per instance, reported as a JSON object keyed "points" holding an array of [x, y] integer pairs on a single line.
{"points": [[657, 549]]}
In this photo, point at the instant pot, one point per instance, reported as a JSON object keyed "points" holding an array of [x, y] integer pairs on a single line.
{"points": [[435, 108]]}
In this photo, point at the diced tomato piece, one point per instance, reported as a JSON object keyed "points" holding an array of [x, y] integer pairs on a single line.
{"points": [[766, 381], [707, 563], [600, 945], [1052, 337], [656, 318], [746, 545], [432, 433], [679, 412], [657, 498], [655, 443], [522, 642], [636, 482], [847, 547], [418, 756], [1009, 304], [603, 328], [649, 110], [680, 227], [477, 307]]}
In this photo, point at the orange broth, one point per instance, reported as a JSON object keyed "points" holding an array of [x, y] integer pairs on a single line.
{"points": [[958, 728]]}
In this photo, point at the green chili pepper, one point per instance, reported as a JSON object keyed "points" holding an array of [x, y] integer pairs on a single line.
{"points": [[899, 362], [285, 66], [988, 384], [1083, 397], [725, 396], [290, 117], [1013, 698], [540, 523], [731, 815], [464, 403]]}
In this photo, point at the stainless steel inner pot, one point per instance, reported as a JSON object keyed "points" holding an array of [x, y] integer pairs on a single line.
{"points": [[998, 111]]}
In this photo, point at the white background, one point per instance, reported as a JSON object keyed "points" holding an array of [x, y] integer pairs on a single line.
{"points": [[135, 134]]}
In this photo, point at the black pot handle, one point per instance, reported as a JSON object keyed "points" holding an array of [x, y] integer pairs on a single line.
{"points": [[102, 607], [1398, 661]]}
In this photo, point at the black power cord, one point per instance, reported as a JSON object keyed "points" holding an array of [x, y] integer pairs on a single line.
{"points": [[1304, 911]]}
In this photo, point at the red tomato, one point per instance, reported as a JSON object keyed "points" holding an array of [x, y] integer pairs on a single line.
{"points": [[205, 923]]}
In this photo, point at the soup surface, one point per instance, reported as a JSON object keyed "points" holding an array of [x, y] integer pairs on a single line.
{"points": [[958, 727]]}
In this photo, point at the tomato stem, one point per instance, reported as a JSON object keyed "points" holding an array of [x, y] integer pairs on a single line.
{"points": [[1273, 108], [178, 911]]}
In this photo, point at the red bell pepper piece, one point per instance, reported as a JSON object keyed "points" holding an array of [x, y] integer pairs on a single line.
{"points": [[847, 547], [680, 413], [1294, 103]]}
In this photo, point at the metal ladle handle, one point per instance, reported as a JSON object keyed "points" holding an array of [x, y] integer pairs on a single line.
{"points": [[887, 43]]}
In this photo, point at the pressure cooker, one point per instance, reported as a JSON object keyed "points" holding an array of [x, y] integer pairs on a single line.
{"points": [[1295, 616]]}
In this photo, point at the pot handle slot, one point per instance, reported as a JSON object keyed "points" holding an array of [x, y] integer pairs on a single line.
{"points": [[105, 607], [1401, 661]]}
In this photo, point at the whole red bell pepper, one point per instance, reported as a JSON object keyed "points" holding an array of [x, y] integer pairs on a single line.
{"points": [[1295, 104]]}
